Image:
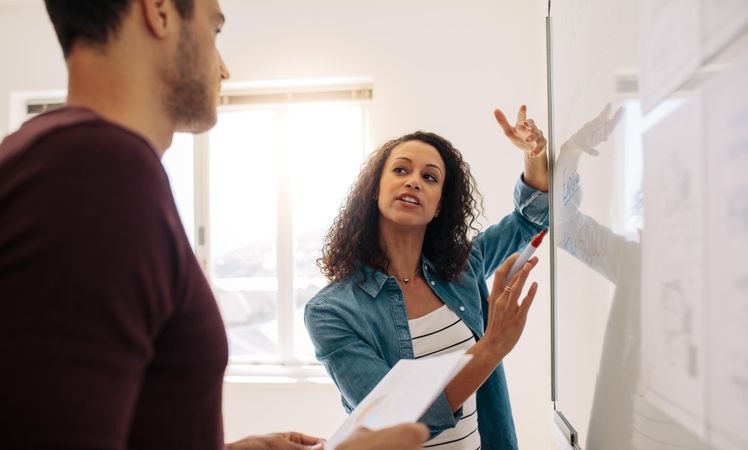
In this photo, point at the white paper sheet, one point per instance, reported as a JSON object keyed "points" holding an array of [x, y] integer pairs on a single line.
{"points": [[672, 269], [403, 395], [723, 19], [670, 47], [726, 113]]}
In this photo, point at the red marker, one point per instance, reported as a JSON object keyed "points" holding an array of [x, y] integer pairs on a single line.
{"points": [[526, 254]]}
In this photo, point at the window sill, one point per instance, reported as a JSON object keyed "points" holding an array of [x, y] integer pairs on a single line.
{"points": [[311, 374]]}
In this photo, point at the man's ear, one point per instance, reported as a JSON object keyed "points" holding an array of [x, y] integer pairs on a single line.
{"points": [[158, 15]]}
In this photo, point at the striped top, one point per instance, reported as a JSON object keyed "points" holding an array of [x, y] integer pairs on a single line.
{"points": [[436, 333]]}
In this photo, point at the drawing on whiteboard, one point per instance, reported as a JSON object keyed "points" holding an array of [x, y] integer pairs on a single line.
{"points": [[737, 382], [568, 244], [680, 350], [658, 21], [671, 47], [675, 187], [570, 186], [726, 162], [737, 211], [739, 376], [740, 382], [722, 20], [673, 282]]}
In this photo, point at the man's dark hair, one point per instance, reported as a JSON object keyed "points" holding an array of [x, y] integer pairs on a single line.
{"points": [[94, 21]]}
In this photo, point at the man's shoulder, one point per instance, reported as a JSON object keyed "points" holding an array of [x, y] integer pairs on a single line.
{"points": [[41, 126], [80, 161], [68, 134]]}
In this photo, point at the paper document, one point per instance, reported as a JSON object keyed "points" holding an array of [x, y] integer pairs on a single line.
{"points": [[403, 395], [670, 47], [727, 272], [723, 20], [673, 285]]}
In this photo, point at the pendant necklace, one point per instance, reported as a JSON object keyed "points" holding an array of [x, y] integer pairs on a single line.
{"points": [[407, 279]]}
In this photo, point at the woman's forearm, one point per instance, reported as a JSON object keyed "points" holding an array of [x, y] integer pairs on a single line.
{"points": [[473, 375], [536, 172]]}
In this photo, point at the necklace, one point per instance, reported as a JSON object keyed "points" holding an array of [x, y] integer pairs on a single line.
{"points": [[407, 279]]}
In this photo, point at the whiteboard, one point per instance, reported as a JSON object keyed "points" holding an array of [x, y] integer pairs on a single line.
{"points": [[648, 105]]}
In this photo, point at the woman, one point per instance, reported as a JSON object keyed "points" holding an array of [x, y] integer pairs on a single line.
{"points": [[407, 282]]}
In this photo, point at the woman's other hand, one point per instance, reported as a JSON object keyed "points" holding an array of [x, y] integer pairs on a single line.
{"points": [[506, 321], [506, 315]]}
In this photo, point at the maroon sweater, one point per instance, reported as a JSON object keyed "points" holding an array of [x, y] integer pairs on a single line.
{"points": [[110, 337]]}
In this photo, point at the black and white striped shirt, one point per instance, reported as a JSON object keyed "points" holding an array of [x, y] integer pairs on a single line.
{"points": [[436, 333]]}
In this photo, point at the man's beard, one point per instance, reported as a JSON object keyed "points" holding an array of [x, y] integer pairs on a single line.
{"points": [[189, 96]]}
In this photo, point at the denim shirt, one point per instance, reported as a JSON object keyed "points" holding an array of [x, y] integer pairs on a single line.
{"points": [[359, 325]]}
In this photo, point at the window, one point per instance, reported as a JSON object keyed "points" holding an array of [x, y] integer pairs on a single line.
{"points": [[265, 185], [256, 195], [179, 165]]}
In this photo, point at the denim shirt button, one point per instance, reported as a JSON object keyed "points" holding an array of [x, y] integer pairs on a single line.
{"points": [[433, 283], [462, 308]]}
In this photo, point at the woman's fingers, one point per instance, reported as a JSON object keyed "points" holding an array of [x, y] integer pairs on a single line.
{"points": [[514, 286], [524, 307], [301, 438], [518, 282], [522, 114], [532, 134], [539, 146], [528, 265], [506, 316], [499, 279], [525, 134], [504, 123]]}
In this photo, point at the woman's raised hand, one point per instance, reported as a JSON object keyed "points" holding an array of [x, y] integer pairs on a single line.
{"points": [[524, 134]]}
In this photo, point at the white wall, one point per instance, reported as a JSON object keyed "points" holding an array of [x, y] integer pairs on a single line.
{"points": [[30, 58], [437, 65], [258, 408]]}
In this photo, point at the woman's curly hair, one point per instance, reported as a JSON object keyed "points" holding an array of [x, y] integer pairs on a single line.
{"points": [[353, 238]]}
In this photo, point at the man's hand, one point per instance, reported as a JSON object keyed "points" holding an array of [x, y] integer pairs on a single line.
{"points": [[277, 441]]}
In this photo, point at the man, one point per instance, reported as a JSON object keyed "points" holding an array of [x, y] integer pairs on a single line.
{"points": [[110, 337]]}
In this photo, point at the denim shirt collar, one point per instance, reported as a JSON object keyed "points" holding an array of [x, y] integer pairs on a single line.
{"points": [[371, 280]]}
